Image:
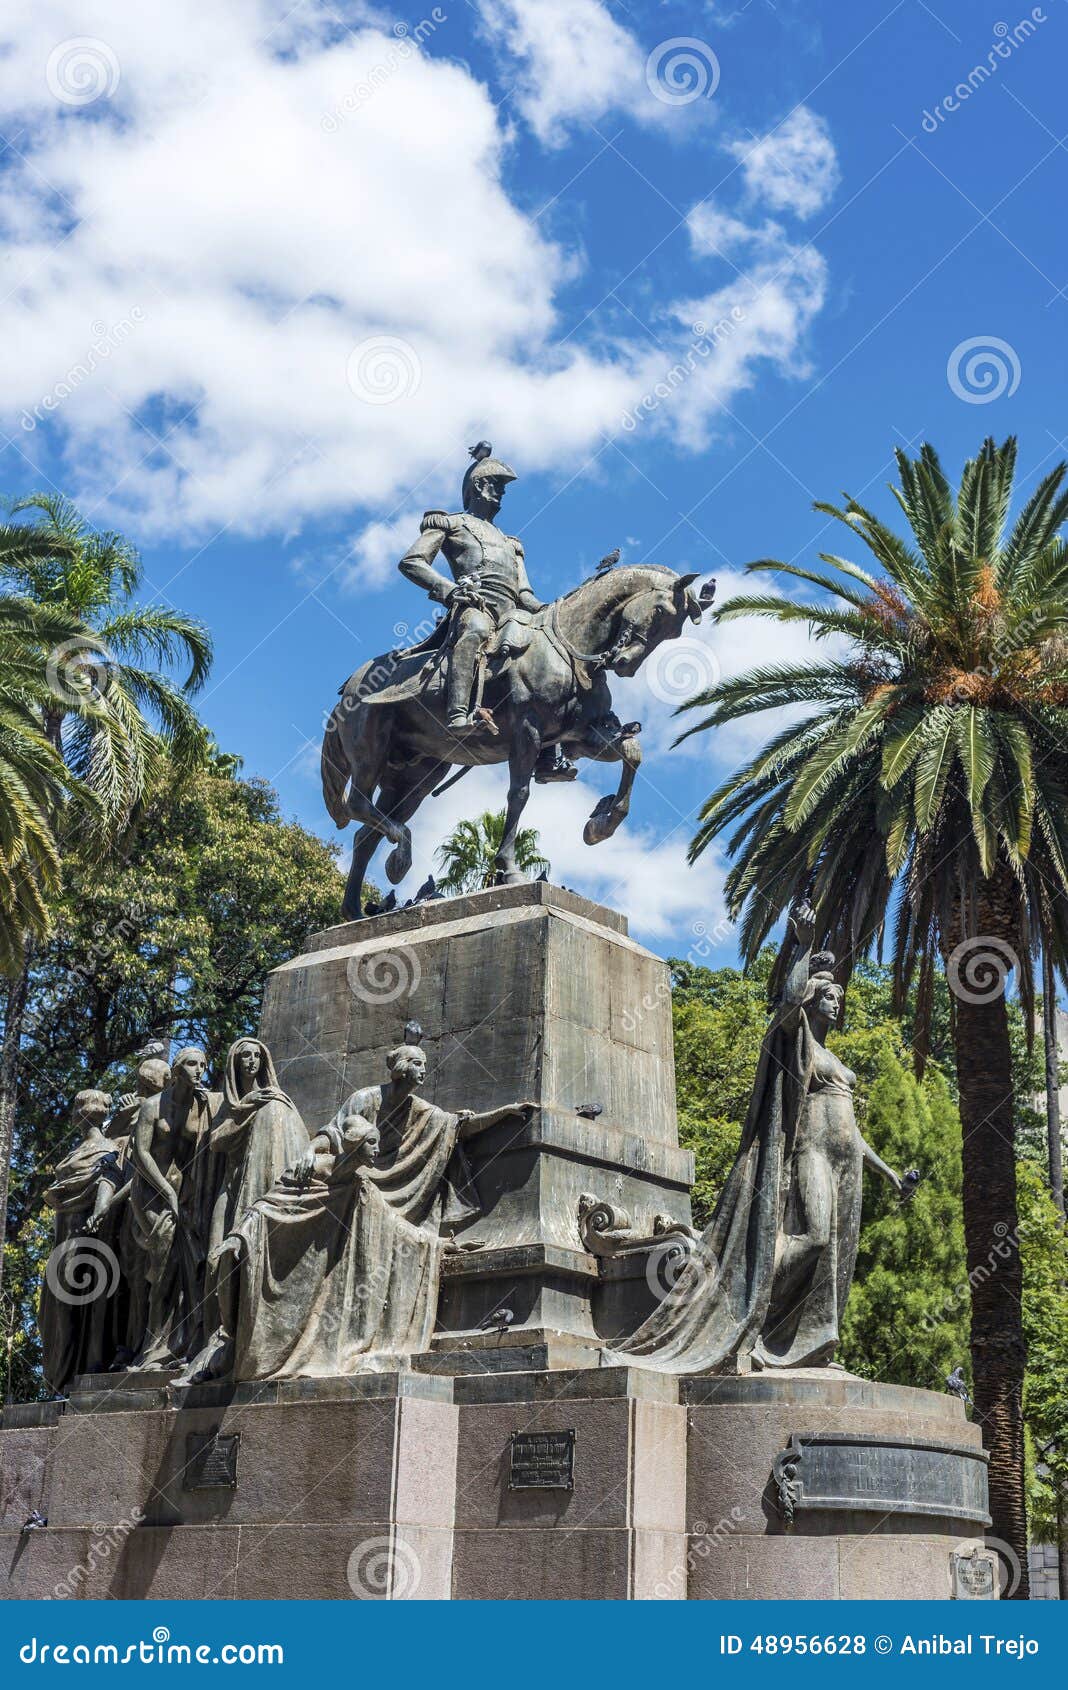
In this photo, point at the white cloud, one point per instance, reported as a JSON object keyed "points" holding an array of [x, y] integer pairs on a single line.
{"points": [[761, 315], [639, 870], [722, 235], [377, 549], [794, 167], [707, 654], [222, 265], [568, 62]]}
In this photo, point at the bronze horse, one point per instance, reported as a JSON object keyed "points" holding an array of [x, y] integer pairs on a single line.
{"points": [[546, 700]]}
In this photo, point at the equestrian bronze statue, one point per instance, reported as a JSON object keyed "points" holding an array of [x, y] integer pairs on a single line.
{"points": [[501, 679]]}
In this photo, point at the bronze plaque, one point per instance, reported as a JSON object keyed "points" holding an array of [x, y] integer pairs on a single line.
{"points": [[851, 1472], [974, 1577], [542, 1461], [211, 1460]]}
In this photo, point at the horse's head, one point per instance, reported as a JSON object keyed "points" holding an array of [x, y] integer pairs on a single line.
{"points": [[657, 611]]}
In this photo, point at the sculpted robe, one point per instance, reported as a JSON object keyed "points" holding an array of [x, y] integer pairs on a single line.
{"points": [[259, 1134], [771, 1274], [333, 1280], [78, 1325], [421, 1170]]}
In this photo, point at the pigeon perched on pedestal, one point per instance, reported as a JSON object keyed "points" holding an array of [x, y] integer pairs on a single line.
{"points": [[957, 1384], [608, 562]]}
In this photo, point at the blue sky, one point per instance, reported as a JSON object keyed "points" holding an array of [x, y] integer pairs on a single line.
{"points": [[224, 226]]}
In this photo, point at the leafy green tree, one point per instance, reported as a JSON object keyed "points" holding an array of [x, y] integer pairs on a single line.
{"points": [[469, 855], [1044, 1250], [927, 787], [55, 560], [34, 781], [907, 1316], [719, 1019], [174, 938], [112, 716]]}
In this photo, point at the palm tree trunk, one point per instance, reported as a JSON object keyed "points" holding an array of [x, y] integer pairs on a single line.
{"points": [[14, 1018], [1053, 1079], [991, 1228]]}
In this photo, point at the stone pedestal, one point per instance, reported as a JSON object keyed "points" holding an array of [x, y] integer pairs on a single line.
{"points": [[522, 992], [507, 1461], [815, 1484], [313, 1490], [601, 1484]]}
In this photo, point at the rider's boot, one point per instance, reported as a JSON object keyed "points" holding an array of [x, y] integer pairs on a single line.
{"points": [[552, 765], [463, 659]]}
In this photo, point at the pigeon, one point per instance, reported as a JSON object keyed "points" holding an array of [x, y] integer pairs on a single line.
{"points": [[498, 1320], [413, 1033], [154, 1049], [482, 450], [36, 1522], [910, 1179], [427, 891], [388, 903], [608, 562], [955, 1382], [707, 594], [589, 1111]]}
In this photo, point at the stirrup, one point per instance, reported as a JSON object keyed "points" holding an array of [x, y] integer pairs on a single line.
{"points": [[480, 721]]}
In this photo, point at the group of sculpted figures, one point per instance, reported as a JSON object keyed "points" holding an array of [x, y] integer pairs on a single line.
{"points": [[209, 1234], [238, 1246]]}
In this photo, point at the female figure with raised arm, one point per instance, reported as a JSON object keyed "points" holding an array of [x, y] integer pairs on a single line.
{"points": [[768, 1282]]}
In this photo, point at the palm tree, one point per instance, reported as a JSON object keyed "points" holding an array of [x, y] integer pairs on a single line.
{"points": [[108, 717], [469, 855], [33, 782], [928, 786]]}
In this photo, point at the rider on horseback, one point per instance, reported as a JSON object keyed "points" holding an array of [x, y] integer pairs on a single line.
{"points": [[490, 580]]}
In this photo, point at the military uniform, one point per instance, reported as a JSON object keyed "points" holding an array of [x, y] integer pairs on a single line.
{"points": [[489, 582]]}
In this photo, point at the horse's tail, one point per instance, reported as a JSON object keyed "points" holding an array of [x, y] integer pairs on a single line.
{"points": [[334, 767]]}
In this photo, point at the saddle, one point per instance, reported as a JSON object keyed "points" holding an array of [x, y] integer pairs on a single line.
{"points": [[513, 636], [406, 674]]}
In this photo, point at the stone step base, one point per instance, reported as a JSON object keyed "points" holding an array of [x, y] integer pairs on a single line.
{"points": [[416, 1484]]}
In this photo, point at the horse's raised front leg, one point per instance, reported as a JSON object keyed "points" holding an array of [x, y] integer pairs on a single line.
{"points": [[526, 748], [613, 807]]}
